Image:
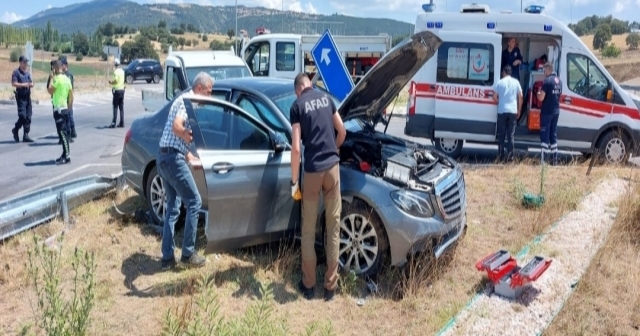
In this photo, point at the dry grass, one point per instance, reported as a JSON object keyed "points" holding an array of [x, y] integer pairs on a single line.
{"points": [[607, 299], [628, 56], [133, 295]]}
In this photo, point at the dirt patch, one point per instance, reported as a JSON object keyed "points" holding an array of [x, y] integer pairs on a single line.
{"points": [[607, 299], [133, 295], [623, 72]]}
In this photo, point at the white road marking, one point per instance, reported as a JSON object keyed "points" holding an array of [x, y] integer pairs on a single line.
{"points": [[71, 172]]}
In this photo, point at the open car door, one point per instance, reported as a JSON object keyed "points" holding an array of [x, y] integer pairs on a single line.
{"points": [[245, 176]]}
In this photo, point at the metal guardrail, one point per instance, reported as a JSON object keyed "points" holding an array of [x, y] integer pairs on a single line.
{"points": [[24, 212], [630, 87]]}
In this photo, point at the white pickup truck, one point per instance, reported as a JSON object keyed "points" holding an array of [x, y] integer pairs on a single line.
{"points": [[181, 67], [286, 55]]}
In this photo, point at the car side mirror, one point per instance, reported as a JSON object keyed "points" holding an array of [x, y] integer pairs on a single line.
{"points": [[609, 95], [279, 143]]}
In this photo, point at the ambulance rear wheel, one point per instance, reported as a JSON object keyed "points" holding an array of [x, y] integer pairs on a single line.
{"points": [[450, 147]]}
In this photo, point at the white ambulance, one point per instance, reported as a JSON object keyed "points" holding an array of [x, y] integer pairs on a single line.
{"points": [[451, 100]]}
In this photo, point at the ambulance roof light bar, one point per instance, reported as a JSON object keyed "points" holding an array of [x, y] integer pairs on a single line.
{"points": [[429, 8], [474, 8], [534, 9]]}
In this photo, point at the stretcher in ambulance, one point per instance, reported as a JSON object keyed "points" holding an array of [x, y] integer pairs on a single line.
{"points": [[451, 97]]}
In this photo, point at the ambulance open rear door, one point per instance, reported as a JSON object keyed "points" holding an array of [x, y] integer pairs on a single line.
{"points": [[467, 68]]}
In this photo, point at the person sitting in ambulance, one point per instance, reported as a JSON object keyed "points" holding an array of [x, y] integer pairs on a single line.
{"points": [[512, 57]]}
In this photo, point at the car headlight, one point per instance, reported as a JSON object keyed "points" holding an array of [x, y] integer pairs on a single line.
{"points": [[414, 203]]}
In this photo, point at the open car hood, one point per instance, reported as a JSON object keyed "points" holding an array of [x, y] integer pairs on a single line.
{"points": [[388, 77]]}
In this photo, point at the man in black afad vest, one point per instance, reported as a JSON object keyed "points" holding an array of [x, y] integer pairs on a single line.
{"points": [[549, 95], [314, 121], [21, 80]]}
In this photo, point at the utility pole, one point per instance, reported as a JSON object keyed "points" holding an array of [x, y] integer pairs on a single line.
{"points": [[520, 6], [236, 31], [282, 13]]}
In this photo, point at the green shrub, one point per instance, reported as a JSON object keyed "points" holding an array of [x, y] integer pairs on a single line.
{"points": [[79, 57], [200, 317], [15, 55], [611, 51], [45, 271]]}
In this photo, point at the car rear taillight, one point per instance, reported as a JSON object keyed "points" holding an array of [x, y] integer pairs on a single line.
{"points": [[412, 99], [127, 137]]}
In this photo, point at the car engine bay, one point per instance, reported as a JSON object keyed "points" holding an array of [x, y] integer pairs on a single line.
{"points": [[397, 161]]}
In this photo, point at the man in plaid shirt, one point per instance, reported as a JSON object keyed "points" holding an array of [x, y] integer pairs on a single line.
{"points": [[173, 163]]}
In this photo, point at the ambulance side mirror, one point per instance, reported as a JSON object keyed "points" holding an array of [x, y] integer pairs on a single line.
{"points": [[609, 95]]}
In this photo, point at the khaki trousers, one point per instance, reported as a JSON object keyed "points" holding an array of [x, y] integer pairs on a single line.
{"points": [[328, 182]]}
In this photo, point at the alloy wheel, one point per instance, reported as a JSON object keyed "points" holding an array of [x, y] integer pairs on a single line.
{"points": [[449, 145], [158, 197], [358, 243], [615, 151]]}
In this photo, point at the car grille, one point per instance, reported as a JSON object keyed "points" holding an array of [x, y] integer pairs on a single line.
{"points": [[451, 199]]}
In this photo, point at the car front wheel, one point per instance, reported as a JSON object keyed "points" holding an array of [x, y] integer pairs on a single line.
{"points": [[129, 79], [363, 243], [156, 79], [156, 196]]}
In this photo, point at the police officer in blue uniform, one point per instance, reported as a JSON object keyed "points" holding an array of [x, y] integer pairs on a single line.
{"points": [[512, 57], [549, 95], [21, 80]]}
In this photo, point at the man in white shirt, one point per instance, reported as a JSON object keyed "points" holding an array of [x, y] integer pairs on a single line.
{"points": [[508, 95]]}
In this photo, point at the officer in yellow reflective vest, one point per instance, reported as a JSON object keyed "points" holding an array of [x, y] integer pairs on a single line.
{"points": [[117, 89], [59, 86]]}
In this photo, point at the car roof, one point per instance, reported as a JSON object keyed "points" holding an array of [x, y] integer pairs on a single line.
{"points": [[268, 86]]}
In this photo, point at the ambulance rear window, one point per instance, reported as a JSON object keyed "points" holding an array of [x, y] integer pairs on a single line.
{"points": [[466, 63]]}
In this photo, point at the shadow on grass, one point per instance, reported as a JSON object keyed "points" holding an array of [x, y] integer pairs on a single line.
{"points": [[243, 277]]}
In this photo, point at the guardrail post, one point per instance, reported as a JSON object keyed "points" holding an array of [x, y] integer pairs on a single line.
{"points": [[64, 207]]}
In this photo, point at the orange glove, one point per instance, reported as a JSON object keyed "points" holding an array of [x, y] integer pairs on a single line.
{"points": [[295, 191]]}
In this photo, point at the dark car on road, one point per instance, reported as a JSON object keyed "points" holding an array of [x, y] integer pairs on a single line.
{"points": [[143, 69], [399, 198]]}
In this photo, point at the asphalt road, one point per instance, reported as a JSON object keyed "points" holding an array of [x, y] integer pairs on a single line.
{"points": [[30, 166]]}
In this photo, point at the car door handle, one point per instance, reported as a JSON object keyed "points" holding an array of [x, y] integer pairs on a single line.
{"points": [[222, 167], [567, 100]]}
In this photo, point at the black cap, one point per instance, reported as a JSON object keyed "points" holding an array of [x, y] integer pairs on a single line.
{"points": [[63, 60], [23, 58]]}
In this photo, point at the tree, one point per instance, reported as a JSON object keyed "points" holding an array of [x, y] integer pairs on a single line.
{"points": [[580, 29], [181, 42], [140, 47], [204, 38], [633, 40], [231, 33], [81, 44], [619, 27], [162, 24], [602, 36]]}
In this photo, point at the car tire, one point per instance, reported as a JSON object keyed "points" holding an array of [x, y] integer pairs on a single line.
{"points": [[614, 147], [148, 81], [156, 79], [156, 196], [354, 238], [129, 79], [450, 147]]}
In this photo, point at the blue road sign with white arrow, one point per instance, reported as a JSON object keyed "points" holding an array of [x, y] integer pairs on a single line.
{"points": [[330, 65]]}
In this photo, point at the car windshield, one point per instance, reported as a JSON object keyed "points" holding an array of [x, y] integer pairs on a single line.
{"points": [[219, 72], [284, 102]]}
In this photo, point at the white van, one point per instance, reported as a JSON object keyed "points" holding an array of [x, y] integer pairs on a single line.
{"points": [[451, 100]]}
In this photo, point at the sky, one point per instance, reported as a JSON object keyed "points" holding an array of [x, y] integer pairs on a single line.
{"points": [[404, 10]]}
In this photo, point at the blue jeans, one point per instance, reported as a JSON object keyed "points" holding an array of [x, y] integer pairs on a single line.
{"points": [[178, 185]]}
